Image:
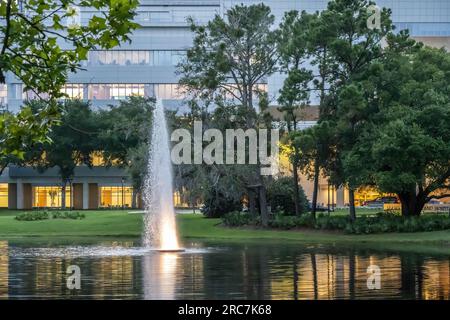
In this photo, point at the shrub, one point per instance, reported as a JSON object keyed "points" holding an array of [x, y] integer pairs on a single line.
{"points": [[218, 204], [75, 215], [327, 222], [280, 195], [32, 216], [382, 223], [44, 215], [280, 221], [236, 219], [394, 223]]}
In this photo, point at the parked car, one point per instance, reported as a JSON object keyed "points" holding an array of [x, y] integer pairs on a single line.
{"points": [[434, 201], [379, 202]]}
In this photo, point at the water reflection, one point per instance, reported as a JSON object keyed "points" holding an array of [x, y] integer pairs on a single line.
{"points": [[264, 271], [159, 272]]}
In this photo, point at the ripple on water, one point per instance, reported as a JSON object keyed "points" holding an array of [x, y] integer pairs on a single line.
{"points": [[97, 251]]}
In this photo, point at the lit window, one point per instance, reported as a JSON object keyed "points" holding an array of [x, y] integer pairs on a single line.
{"points": [[116, 196], [73, 90], [135, 57], [49, 196], [3, 195], [116, 91]]}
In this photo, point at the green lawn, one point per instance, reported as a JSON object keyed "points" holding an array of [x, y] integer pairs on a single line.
{"points": [[124, 224]]}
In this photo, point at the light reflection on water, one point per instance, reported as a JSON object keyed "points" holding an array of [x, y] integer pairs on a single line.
{"points": [[260, 271]]}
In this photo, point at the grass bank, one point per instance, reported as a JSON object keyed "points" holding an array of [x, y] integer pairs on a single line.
{"points": [[124, 224]]}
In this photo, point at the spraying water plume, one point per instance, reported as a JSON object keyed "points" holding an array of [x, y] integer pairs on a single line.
{"points": [[159, 220]]}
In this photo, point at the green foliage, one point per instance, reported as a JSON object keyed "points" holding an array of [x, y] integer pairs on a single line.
{"points": [[241, 45], [124, 144], [327, 222], [405, 149], [216, 204], [281, 221], [381, 223], [125, 127], [280, 194], [33, 29], [32, 32], [74, 215], [32, 216], [45, 215], [236, 219], [70, 143], [395, 223]]}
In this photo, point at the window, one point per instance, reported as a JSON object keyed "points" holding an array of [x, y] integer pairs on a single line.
{"points": [[168, 91], [73, 90], [31, 95], [135, 57], [3, 93], [49, 196], [116, 91], [114, 197], [3, 195]]}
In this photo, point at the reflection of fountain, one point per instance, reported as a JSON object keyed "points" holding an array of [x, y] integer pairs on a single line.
{"points": [[159, 220], [159, 275]]}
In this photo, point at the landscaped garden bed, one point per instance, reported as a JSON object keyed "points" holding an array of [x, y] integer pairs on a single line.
{"points": [[380, 223]]}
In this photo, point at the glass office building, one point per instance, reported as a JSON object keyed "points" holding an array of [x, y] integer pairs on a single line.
{"points": [[146, 67]]}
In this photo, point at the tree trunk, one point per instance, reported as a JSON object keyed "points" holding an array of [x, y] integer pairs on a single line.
{"points": [[351, 199], [252, 203], [315, 188], [63, 195], [262, 196], [134, 199], [296, 189], [412, 204]]}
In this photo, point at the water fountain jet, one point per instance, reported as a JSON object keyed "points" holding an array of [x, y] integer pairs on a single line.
{"points": [[159, 219]]}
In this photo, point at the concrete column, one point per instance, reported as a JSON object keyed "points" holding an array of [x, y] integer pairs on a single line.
{"points": [[20, 202], [340, 199], [85, 195], [93, 196], [27, 196], [12, 196]]}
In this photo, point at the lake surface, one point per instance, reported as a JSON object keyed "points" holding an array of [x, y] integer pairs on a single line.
{"points": [[122, 270]]}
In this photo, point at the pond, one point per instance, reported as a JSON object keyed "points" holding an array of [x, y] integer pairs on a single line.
{"points": [[122, 270]]}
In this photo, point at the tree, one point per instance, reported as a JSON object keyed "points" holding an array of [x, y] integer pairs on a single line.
{"points": [[295, 91], [230, 58], [281, 195], [31, 49], [405, 148], [313, 151], [354, 48], [320, 37], [71, 143], [126, 145]]}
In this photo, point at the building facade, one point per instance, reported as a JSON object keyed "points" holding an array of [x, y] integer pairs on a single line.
{"points": [[146, 67]]}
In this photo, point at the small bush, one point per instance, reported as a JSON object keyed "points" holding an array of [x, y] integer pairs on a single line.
{"points": [[32, 216], [236, 219], [44, 215], [280, 195], [218, 204], [74, 215]]}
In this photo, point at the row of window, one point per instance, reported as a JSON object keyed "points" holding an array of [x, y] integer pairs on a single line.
{"points": [[50, 196], [135, 57], [119, 91], [115, 91]]}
